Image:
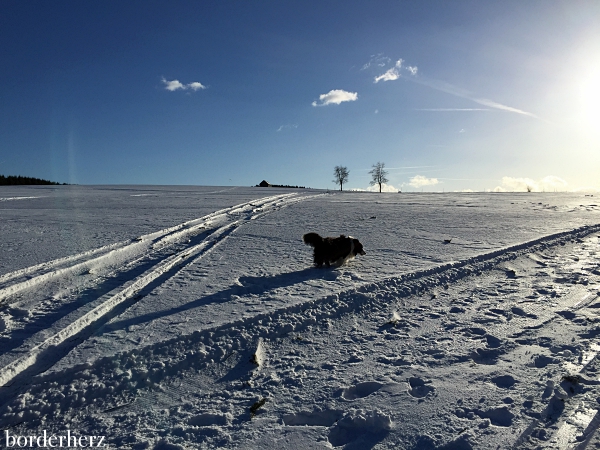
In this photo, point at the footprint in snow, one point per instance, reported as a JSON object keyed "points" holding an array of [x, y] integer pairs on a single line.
{"points": [[500, 416], [361, 390], [504, 381], [542, 361], [492, 341], [521, 312], [360, 425], [317, 418], [569, 315], [487, 356], [394, 361], [208, 419], [474, 331], [419, 388]]}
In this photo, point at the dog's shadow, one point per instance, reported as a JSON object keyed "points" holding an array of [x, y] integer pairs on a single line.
{"points": [[247, 285]]}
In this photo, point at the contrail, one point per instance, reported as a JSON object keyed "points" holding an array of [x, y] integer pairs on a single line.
{"points": [[463, 93], [452, 109]]}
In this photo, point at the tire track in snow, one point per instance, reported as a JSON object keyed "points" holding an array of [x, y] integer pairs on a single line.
{"points": [[253, 210], [122, 251], [140, 368]]}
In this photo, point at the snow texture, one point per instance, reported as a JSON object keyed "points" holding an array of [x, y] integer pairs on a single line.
{"points": [[191, 317]]}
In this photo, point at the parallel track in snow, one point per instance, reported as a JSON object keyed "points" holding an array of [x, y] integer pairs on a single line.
{"points": [[203, 347], [149, 249], [19, 280]]}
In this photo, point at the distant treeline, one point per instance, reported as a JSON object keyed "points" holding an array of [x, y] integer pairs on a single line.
{"points": [[265, 183], [287, 186], [12, 180]]}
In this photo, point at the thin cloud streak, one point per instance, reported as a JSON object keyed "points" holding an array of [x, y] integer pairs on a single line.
{"points": [[463, 93], [452, 109], [378, 60], [393, 74], [288, 126]]}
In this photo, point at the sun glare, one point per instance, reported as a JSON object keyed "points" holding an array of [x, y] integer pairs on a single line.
{"points": [[590, 99]]}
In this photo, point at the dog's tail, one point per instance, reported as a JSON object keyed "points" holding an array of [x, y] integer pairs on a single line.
{"points": [[312, 239]]}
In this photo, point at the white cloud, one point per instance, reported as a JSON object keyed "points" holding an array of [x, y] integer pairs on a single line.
{"points": [[549, 183], [419, 181], [288, 126], [175, 85], [384, 188], [391, 75], [336, 96], [196, 85], [377, 60], [554, 182]]}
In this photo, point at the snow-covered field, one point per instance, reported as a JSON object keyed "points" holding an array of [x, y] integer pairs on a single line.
{"points": [[190, 317]]}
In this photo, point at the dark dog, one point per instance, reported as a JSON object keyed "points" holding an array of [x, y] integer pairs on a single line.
{"points": [[332, 250]]}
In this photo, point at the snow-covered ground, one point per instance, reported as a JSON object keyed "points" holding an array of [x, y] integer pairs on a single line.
{"points": [[190, 317]]}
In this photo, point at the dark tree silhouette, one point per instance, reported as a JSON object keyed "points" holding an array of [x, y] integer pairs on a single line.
{"points": [[341, 174], [378, 174], [13, 180]]}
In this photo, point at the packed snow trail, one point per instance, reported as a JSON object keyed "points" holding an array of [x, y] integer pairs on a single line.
{"points": [[164, 266], [175, 372], [122, 252]]}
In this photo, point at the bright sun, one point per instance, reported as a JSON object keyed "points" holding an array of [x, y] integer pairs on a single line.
{"points": [[590, 98]]}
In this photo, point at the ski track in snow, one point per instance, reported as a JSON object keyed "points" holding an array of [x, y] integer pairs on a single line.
{"points": [[135, 252], [497, 350], [169, 371], [6, 199], [42, 272]]}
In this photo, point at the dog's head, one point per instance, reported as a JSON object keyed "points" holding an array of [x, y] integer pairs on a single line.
{"points": [[358, 247]]}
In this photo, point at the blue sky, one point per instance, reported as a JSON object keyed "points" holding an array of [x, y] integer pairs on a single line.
{"points": [[450, 95]]}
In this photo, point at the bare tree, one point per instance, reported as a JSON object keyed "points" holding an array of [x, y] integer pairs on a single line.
{"points": [[378, 174], [341, 175]]}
